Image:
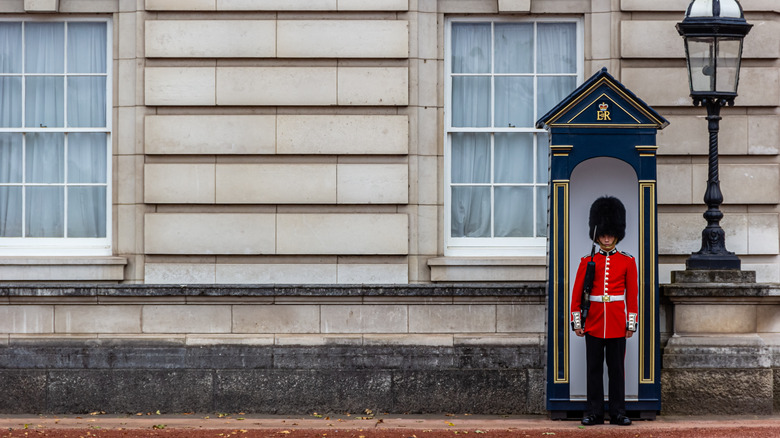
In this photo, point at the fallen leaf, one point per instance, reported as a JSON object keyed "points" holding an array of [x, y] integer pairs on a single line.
{"points": [[449, 424], [158, 426], [285, 431]]}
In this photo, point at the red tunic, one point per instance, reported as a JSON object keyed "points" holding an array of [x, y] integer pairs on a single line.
{"points": [[615, 275]]}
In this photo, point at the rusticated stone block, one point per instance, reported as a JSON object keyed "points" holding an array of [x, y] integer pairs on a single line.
{"points": [[537, 400], [129, 391], [302, 391], [126, 377], [24, 391], [713, 276], [777, 390], [488, 392], [717, 392]]}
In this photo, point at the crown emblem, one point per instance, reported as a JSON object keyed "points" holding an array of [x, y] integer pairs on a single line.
{"points": [[603, 106]]}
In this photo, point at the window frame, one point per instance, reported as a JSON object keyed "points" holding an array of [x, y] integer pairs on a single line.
{"points": [[69, 246], [496, 246]]}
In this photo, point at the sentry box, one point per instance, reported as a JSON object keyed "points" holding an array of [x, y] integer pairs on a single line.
{"points": [[602, 142]]}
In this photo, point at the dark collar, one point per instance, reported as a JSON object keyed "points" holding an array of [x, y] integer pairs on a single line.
{"points": [[605, 253]]}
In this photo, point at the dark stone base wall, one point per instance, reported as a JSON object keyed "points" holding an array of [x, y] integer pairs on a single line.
{"points": [[272, 380], [718, 392], [776, 387], [720, 376]]}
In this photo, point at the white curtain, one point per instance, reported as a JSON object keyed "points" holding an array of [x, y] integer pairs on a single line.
{"points": [[87, 151], [471, 60], [87, 204], [50, 80], [10, 173], [542, 176], [499, 180], [514, 104], [557, 48], [514, 164], [470, 204], [87, 94], [10, 117]]}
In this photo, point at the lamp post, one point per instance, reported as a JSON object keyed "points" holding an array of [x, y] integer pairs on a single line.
{"points": [[713, 31]]}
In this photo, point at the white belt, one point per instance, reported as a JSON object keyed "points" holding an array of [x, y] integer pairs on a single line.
{"points": [[607, 298]]}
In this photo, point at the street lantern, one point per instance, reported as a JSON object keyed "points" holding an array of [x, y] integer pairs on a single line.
{"points": [[713, 31]]}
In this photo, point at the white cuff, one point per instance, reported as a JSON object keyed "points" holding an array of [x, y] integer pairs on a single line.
{"points": [[631, 326], [576, 323]]}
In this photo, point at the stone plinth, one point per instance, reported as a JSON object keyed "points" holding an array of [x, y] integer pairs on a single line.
{"points": [[723, 356]]}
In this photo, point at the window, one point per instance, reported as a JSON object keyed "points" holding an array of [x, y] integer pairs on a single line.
{"points": [[55, 140], [501, 77]]}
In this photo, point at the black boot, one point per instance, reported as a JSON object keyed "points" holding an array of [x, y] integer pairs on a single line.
{"points": [[592, 420], [620, 420]]}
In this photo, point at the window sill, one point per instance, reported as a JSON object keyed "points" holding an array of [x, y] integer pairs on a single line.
{"points": [[76, 269], [488, 269]]}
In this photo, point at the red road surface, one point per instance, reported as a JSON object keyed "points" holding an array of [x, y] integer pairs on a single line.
{"points": [[375, 426]]}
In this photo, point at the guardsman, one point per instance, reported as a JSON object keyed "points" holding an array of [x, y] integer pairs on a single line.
{"points": [[612, 317]]}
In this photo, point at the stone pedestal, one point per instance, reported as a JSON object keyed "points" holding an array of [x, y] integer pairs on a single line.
{"points": [[724, 355]]}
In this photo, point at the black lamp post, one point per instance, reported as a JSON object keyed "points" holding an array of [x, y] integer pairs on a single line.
{"points": [[713, 31]]}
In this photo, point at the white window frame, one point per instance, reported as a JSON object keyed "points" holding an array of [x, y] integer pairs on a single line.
{"points": [[68, 246], [494, 246]]}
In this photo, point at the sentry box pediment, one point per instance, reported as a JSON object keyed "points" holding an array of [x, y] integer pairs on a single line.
{"points": [[602, 142], [602, 102]]}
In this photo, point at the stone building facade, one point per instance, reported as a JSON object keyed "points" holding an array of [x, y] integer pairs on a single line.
{"points": [[292, 187]]}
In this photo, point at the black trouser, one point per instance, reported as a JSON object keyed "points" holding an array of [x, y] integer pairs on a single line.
{"points": [[615, 349]]}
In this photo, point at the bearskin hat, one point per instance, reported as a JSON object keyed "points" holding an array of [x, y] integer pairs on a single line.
{"points": [[607, 216]]}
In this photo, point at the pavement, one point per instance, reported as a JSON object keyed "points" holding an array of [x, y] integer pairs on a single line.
{"points": [[366, 420]]}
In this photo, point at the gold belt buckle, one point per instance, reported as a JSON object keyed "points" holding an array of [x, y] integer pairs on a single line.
{"points": [[606, 298]]}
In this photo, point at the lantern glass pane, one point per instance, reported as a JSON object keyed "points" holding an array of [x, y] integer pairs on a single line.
{"points": [[728, 64], [701, 64]]}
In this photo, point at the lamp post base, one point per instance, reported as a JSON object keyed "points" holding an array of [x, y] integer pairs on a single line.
{"points": [[713, 261]]}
